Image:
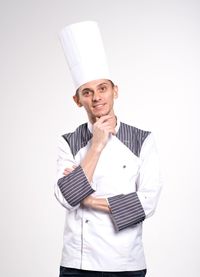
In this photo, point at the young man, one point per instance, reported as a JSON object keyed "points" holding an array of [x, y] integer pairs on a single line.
{"points": [[108, 180]]}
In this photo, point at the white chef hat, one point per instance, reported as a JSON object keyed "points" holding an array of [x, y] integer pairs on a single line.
{"points": [[83, 48]]}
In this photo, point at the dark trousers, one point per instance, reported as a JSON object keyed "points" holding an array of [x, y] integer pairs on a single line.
{"points": [[70, 272]]}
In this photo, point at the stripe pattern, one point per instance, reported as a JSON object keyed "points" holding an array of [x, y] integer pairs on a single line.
{"points": [[75, 186], [126, 210], [78, 139], [132, 137]]}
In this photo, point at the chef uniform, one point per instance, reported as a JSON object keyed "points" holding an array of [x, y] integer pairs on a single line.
{"points": [[127, 175]]}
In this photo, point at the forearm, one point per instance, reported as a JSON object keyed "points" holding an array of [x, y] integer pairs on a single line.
{"points": [[99, 204], [102, 129], [76, 183], [75, 186], [90, 161]]}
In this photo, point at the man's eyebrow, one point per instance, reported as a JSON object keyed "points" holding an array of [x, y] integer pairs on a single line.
{"points": [[89, 89], [104, 83]]}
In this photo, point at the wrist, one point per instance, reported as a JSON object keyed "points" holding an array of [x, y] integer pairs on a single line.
{"points": [[96, 148]]}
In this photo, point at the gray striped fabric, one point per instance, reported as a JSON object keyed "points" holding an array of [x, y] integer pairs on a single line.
{"points": [[126, 210], [132, 137], [78, 139], [75, 186]]}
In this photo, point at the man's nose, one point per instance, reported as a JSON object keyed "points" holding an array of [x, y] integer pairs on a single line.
{"points": [[96, 96]]}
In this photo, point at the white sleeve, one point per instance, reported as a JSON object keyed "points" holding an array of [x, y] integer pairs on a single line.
{"points": [[149, 182], [65, 159], [71, 189]]}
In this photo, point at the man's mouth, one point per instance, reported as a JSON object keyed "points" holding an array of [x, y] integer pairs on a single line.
{"points": [[98, 106]]}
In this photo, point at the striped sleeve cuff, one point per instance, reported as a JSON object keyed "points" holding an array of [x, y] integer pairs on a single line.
{"points": [[126, 210], [75, 186]]}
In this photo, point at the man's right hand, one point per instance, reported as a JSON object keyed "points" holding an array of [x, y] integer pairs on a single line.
{"points": [[102, 128]]}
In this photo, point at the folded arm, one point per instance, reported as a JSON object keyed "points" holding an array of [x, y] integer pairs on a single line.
{"points": [[126, 210], [131, 209], [73, 183]]}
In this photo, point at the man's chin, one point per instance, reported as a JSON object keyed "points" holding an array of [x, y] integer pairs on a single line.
{"points": [[100, 114]]}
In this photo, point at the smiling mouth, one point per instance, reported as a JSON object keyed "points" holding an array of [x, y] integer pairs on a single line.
{"points": [[99, 106]]}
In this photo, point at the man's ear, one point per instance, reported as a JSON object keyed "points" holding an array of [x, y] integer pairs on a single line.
{"points": [[77, 101], [115, 91]]}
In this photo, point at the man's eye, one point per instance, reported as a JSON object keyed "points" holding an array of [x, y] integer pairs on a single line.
{"points": [[86, 93], [103, 88]]}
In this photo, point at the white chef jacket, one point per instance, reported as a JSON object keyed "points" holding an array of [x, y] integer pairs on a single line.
{"points": [[128, 176]]}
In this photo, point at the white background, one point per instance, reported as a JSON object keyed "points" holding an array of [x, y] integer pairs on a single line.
{"points": [[153, 53]]}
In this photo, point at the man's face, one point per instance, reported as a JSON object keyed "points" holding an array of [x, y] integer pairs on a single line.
{"points": [[97, 97]]}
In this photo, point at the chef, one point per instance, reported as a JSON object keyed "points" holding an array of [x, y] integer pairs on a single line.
{"points": [[108, 176]]}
